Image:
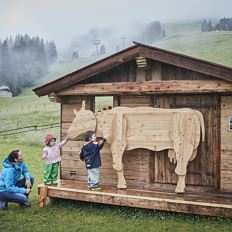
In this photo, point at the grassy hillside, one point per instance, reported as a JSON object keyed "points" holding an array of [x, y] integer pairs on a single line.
{"points": [[62, 68], [188, 39]]}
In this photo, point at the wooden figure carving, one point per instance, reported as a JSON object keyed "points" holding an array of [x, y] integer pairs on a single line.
{"points": [[156, 129]]}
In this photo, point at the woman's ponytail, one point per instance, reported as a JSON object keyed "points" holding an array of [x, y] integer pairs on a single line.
{"points": [[13, 155]]}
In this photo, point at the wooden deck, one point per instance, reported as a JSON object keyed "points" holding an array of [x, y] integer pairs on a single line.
{"points": [[203, 203]]}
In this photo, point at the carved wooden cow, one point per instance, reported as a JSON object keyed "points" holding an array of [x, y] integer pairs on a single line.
{"points": [[156, 129]]}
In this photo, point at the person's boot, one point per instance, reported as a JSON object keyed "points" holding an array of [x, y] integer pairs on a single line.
{"points": [[3, 205], [26, 204]]}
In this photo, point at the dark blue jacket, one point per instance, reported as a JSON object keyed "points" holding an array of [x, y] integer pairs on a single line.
{"points": [[90, 153]]}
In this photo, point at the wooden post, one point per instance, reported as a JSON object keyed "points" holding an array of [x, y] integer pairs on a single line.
{"points": [[43, 191]]}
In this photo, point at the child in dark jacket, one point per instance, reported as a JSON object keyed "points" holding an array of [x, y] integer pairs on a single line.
{"points": [[90, 153]]}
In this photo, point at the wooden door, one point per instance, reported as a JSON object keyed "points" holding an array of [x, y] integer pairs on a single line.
{"points": [[204, 169]]}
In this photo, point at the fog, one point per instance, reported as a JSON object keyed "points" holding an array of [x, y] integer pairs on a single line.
{"points": [[62, 21]]}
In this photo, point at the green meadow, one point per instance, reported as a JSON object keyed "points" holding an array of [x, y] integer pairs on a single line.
{"points": [[187, 38], [65, 215]]}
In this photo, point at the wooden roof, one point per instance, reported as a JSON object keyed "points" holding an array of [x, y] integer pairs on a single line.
{"points": [[5, 88], [180, 60]]}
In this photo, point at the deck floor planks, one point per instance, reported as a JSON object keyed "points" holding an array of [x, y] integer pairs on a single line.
{"points": [[205, 203]]}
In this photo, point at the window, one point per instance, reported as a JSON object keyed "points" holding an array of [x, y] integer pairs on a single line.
{"points": [[103, 103]]}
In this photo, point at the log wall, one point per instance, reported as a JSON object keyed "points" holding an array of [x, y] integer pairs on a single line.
{"points": [[142, 167], [204, 169], [226, 144], [136, 166], [155, 70], [145, 168]]}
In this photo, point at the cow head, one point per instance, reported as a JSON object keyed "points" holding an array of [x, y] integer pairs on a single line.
{"points": [[84, 121]]}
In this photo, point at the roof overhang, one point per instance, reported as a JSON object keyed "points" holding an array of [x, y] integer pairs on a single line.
{"points": [[142, 50]]}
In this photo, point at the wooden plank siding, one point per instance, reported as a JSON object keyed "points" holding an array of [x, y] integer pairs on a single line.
{"points": [[172, 72], [143, 167], [153, 167], [136, 168], [70, 152], [203, 171], [125, 72], [149, 88], [129, 72], [226, 144]]}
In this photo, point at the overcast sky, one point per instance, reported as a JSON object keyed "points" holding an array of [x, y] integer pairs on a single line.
{"points": [[61, 20]]}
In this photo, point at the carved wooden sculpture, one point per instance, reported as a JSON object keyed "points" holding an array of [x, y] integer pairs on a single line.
{"points": [[155, 129]]}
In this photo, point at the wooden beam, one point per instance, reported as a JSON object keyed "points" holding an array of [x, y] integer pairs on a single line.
{"points": [[88, 71], [42, 191], [176, 204], [149, 87], [187, 62]]}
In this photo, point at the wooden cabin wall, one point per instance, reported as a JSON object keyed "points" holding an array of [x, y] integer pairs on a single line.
{"points": [[226, 144], [125, 72], [137, 161], [155, 70], [204, 169], [71, 164], [171, 72], [145, 168], [72, 168]]}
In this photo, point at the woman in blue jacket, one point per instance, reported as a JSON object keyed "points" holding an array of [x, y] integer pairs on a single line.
{"points": [[12, 188]]}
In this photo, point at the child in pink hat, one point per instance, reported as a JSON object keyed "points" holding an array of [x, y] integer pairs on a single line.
{"points": [[51, 156]]}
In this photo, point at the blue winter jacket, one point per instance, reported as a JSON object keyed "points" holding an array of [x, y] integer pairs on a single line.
{"points": [[10, 174], [90, 153]]}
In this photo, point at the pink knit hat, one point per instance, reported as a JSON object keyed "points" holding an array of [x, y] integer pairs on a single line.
{"points": [[47, 138]]}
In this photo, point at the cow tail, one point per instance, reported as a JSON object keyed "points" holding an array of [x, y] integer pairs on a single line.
{"points": [[201, 119]]}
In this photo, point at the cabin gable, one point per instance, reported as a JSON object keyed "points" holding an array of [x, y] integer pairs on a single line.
{"points": [[142, 54]]}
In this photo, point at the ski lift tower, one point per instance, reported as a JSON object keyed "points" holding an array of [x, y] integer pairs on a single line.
{"points": [[97, 43], [123, 41]]}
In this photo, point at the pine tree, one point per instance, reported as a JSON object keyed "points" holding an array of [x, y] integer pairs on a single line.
{"points": [[24, 60], [102, 49], [152, 32], [209, 26], [204, 26], [51, 52], [75, 55], [163, 33]]}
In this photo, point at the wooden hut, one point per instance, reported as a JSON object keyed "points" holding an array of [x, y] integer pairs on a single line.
{"points": [[143, 75]]}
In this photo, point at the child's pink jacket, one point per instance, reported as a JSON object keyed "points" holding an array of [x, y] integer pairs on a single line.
{"points": [[51, 155]]}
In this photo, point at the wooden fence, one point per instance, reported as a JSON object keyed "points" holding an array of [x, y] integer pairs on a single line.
{"points": [[28, 129]]}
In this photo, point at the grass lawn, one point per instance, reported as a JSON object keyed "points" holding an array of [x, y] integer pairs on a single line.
{"points": [[65, 215]]}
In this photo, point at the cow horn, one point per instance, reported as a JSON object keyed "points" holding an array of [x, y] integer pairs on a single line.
{"points": [[83, 105]]}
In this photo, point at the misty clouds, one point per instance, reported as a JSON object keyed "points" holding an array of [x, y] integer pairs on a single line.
{"points": [[63, 20]]}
